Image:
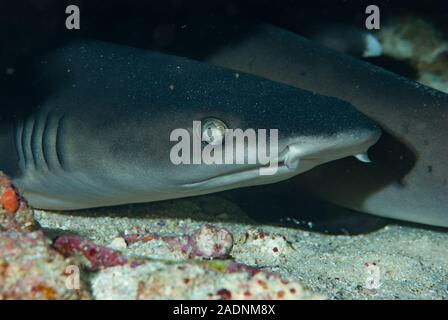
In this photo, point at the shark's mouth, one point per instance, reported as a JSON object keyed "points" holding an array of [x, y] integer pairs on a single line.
{"points": [[248, 172], [295, 158]]}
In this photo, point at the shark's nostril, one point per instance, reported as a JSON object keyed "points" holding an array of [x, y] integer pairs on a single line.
{"points": [[292, 163], [291, 159]]}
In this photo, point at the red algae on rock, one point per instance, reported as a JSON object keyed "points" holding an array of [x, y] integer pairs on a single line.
{"points": [[29, 267], [212, 242], [9, 200], [207, 242], [14, 212], [92, 255]]}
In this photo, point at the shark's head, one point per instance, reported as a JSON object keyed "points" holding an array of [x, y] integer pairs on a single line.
{"points": [[127, 129], [215, 141]]}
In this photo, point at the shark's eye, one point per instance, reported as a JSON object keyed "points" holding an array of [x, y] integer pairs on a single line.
{"points": [[213, 131]]}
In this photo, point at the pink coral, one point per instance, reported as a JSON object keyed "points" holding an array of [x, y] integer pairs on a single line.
{"points": [[212, 242], [208, 242], [97, 257]]}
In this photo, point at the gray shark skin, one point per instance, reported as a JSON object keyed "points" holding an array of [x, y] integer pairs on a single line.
{"points": [[98, 132], [408, 177]]}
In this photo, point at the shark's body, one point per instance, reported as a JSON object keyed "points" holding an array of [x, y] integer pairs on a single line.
{"points": [[409, 174], [96, 131]]}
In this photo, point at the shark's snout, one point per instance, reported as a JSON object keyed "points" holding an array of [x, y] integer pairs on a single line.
{"points": [[308, 152]]}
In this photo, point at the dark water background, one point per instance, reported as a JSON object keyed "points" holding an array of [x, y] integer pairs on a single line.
{"points": [[195, 28], [30, 25]]}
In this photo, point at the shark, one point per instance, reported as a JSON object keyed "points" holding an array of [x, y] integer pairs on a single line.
{"points": [[407, 179], [94, 127]]}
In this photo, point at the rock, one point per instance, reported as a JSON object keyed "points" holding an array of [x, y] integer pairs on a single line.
{"points": [[156, 280], [30, 269], [207, 242], [89, 254], [211, 242], [118, 243], [14, 212], [421, 43], [260, 248]]}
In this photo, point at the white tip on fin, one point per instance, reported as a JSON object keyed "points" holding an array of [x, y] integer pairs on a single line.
{"points": [[373, 47], [363, 157]]}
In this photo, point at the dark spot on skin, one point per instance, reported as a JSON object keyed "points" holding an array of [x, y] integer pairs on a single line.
{"points": [[303, 73], [425, 142], [429, 168], [444, 183]]}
